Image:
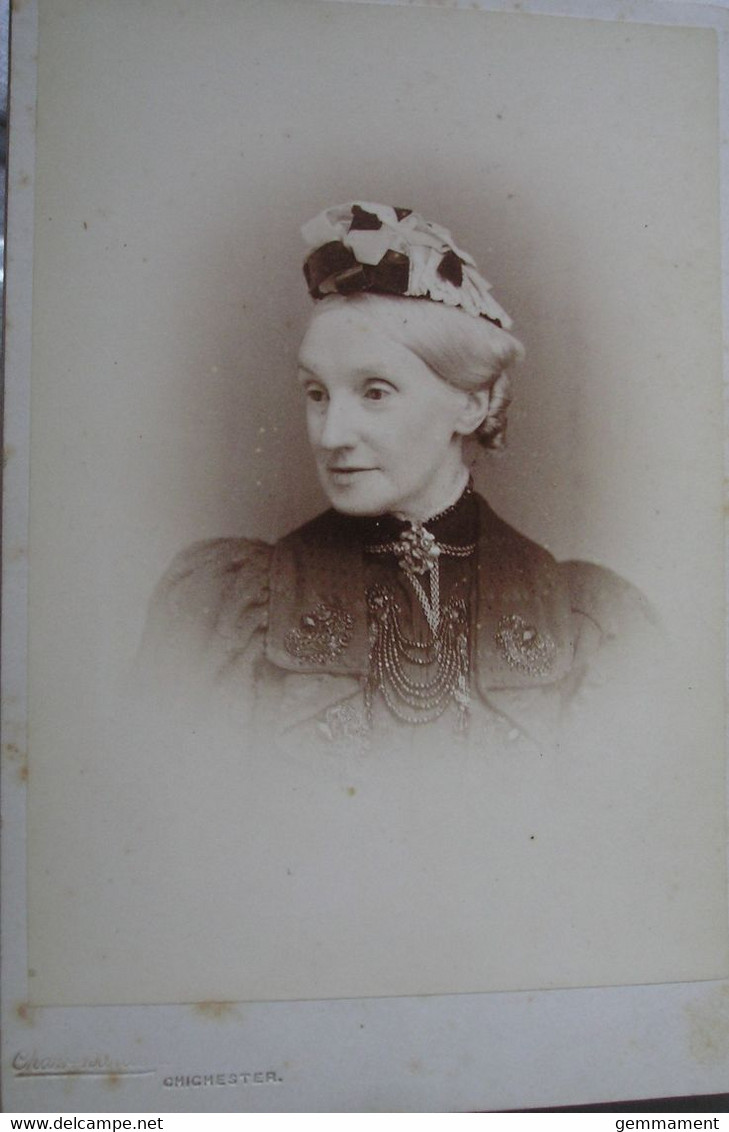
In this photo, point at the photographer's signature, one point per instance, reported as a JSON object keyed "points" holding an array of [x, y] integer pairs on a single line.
{"points": [[33, 1064]]}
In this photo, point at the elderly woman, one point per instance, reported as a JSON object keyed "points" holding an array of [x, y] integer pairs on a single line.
{"points": [[409, 608]]}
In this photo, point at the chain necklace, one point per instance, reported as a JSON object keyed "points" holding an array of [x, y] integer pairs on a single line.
{"points": [[418, 680]]}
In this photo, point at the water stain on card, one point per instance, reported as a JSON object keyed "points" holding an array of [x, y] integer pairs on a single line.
{"points": [[26, 1013], [708, 1026], [215, 1011], [16, 756]]}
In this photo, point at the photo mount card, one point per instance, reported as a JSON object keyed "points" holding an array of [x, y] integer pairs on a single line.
{"points": [[223, 828]]}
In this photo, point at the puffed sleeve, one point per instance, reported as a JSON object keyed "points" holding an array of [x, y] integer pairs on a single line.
{"points": [[618, 638], [207, 618]]}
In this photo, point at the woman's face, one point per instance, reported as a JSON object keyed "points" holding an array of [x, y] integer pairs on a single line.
{"points": [[385, 430]]}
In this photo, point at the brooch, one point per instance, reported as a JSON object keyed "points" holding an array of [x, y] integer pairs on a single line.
{"points": [[523, 647], [321, 636], [416, 549]]}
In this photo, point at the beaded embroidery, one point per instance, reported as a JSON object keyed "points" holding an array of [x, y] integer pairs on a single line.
{"points": [[321, 636], [523, 647], [345, 726], [422, 698]]}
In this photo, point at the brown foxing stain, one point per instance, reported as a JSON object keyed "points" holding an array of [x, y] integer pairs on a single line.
{"points": [[24, 179], [26, 1013], [13, 753], [23, 773], [708, 1026], [8, 453], [112, 1081], [17, 5], [351, 791], [215, 1011]]}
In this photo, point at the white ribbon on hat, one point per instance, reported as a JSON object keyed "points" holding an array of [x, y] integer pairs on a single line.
{"points": [[423, 243]]}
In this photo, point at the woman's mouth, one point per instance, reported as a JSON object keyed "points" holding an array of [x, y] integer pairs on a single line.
{"points": [[344, 475]]}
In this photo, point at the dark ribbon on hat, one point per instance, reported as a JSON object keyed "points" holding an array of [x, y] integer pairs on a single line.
{"points": [[333, 269]]}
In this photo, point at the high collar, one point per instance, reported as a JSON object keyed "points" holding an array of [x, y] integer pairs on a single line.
{"points": [[457, 525]]}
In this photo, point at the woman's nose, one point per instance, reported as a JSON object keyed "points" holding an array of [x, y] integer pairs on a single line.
{"points": [[338, 426]]}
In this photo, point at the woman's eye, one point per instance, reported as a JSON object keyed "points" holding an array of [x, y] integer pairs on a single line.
{"points": [[316, 395], [376, 393]]}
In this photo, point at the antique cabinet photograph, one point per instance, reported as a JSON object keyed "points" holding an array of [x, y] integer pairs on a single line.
{"points": [[364, 522]]}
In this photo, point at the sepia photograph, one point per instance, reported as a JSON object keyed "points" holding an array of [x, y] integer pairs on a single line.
{"points": [[375, 536]]}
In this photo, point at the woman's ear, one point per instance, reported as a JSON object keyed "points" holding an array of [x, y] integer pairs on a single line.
{"points": [[473, 411]]}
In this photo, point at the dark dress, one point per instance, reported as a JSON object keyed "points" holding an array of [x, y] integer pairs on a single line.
{"points": [[282, 638]]}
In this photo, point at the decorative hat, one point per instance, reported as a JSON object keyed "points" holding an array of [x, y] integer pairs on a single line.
{"points": [[393, 251]]}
